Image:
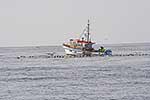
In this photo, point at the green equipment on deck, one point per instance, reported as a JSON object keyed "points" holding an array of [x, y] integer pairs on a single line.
{"points": [[102, 51]]}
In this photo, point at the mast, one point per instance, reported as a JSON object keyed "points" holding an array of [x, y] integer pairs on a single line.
{"points": [[88, 30]]}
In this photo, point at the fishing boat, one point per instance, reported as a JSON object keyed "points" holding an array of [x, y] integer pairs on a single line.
{"points": [[82, 45]]}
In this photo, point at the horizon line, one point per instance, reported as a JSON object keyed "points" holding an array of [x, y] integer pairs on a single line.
{"points": [[60, 45]]}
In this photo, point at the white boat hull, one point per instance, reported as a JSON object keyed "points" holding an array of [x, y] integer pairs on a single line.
{"points": [[72, 51]]}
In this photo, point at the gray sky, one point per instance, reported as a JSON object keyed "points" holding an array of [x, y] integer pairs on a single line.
{"points": [[52, 22]]}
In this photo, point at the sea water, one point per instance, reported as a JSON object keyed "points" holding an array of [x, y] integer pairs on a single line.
{"points": [[90, 78]]}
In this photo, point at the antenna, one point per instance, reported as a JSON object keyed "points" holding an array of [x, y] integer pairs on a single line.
{"points": [[88, 30]]}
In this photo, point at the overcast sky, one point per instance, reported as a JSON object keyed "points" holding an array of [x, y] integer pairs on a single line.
{"points": [[52, 22]]}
